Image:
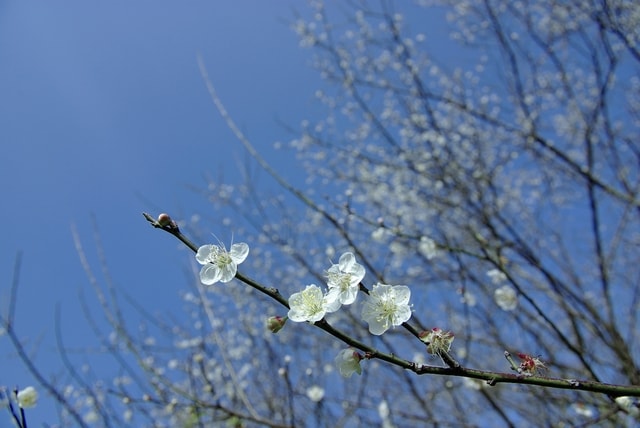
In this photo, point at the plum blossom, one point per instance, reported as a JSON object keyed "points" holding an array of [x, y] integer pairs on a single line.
{"points": [[629, 404], [583, 410], [310, 305], [348, 362], [385, 414], [469, 298], [437, 340], [27, 397], [497, 276], [473, 384], [506, 298], [427, 247], [343, 279], [315, 393], [219, 264], [386, 306]]}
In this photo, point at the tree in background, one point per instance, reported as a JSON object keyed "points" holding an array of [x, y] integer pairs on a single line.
{"points": [[496, 174]]}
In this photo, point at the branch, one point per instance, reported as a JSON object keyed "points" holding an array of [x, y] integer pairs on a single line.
{"points": [[165, 223]]}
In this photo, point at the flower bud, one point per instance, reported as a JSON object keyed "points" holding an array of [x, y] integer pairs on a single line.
{"points": [[164, 220], [275, 324]]}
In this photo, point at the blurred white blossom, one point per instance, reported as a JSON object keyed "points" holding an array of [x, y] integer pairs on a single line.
{"points": [[630, 404], [348, 362], [427, 247], [506, 298], [27, 397], [315, 393], [497, 276], [583, 410]]}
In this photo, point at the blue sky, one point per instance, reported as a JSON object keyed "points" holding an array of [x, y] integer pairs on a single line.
{"points": [[103, 111]]}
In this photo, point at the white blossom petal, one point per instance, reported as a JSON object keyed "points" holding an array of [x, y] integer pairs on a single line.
{"points": [[210, 274], [239, 252], [203, 256]]}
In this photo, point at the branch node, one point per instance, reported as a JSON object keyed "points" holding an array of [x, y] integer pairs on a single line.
{"points": [[574, 383]]}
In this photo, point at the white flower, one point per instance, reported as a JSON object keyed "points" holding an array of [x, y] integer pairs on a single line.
{"points": [[220, 264], [630, 404], [468, 298], [386, 306], [437, 340], [471, 383], [379, 234], [343, 279], [27, 397], [91, 417], [310, 305], [427, 247], [497, 276], [383, 410], [583, 410], [506, 298], [315, 393], [348, 362]]}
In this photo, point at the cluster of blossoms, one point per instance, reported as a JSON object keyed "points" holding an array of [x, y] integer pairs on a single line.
{"points": [[385, 305]]}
